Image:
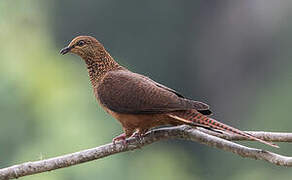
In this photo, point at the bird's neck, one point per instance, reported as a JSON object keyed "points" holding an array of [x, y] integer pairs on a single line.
{"points": [[99, 64]]}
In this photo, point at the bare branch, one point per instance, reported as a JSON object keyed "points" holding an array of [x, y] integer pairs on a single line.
{"points": [[267, 136], [180, 132]]}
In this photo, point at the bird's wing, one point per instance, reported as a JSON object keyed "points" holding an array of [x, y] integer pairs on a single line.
{"points": [[205, 111], [126, 92], [167, 88]]}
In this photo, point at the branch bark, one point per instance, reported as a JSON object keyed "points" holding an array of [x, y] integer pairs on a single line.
{"points": [[180, 132]]}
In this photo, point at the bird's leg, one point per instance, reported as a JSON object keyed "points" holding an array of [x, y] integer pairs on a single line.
{"points": [[121, 137], [139, 135]]}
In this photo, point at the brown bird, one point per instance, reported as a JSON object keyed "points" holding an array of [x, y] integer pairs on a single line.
{"points": [[138, 102]]}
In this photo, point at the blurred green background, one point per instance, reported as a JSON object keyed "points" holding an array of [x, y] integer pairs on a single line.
{"points": [[233, 55]]}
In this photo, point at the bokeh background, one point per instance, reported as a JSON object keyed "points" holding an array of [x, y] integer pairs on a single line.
{"points": [[233, 55]]}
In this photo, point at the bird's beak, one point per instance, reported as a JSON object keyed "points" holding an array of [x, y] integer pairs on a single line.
{"points": [[65, 50]]}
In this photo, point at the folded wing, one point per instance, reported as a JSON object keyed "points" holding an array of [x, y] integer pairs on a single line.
{"points": [[127, 92]]}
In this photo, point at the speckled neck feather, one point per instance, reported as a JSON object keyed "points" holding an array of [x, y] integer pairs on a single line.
{"points": [[99, 63]]}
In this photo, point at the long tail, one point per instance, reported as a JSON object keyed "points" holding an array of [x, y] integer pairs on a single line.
{"points": [[193, 117]]}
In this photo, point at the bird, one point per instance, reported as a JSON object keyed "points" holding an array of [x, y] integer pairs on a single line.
{"points": [[138, 102]]}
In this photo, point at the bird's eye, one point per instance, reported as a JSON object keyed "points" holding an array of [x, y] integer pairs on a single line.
{"points": [[80, 43]]}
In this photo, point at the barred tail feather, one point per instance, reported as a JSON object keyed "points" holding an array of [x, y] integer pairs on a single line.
{"points": [[193, 117]]}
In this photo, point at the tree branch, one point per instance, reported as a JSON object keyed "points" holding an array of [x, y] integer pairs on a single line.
{"points": [[267, 136], [180, 132]]}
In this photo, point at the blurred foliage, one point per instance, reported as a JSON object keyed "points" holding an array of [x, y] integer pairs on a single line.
{"points": [[47, 106]]}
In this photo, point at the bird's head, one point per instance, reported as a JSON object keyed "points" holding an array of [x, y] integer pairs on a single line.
{"points": [[82, 46]]}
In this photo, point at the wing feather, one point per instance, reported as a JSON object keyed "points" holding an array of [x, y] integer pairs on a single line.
{"points": [[127, 92]]}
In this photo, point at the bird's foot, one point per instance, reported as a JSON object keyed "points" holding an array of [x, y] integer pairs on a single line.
{"points": [[139, 136], [122, 138]]}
